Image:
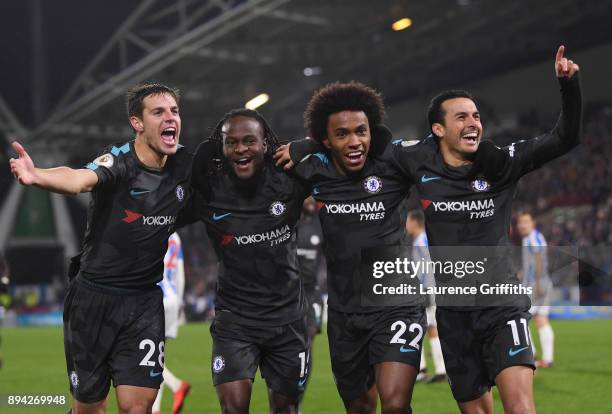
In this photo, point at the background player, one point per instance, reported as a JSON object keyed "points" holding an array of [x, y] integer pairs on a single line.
{"points": [[173, 286], [415, 227], [113, 311], [535, 274], [251, 209], [309, 242]]}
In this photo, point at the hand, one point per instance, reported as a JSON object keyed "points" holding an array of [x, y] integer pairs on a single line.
{"points": [[23, 168], [564, 68], [282, 157]]}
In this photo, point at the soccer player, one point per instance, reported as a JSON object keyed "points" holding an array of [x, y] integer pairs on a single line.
{"points": [[173, 286], [358, 194], [484, 346], [535, 274], [415, 227], [467, 189], [113, 311], [309, 242], [251, 209]]}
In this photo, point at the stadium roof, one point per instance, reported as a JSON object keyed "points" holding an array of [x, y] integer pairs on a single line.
{"points": [[73, 60]]}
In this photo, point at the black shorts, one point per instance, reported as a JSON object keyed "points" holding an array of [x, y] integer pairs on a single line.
{"points": [[314, 312], [478, 344], [112, 334], [281, 353], [358, 341]]}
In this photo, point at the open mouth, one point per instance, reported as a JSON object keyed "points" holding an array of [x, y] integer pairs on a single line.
{"points": [[471, 138], [355, 158], [242, 164], [168, 136]]}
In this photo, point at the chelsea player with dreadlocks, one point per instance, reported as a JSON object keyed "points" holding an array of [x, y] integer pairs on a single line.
{"points": [[250, 208]]}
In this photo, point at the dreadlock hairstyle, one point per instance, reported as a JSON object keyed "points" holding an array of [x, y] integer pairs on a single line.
{"points": [[338, 97], [209, 159], [270, 137]]}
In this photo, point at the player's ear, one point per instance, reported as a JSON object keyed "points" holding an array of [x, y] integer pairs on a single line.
{"points": [[136, 124], [438, 129], [326, 143]]}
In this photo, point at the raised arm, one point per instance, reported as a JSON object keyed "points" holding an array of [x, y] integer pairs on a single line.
{"points": [[63, 180], [566, 133]]}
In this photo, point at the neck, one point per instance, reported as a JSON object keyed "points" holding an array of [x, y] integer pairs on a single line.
{"points": [[147, 155], [453, 158]]}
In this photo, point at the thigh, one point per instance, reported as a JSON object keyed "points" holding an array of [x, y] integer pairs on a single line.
{"points": [[235, 354], [348, 348], [397, 336], [462, 351], [137, 357], [90, 329], [285, 360], [507, 340]]}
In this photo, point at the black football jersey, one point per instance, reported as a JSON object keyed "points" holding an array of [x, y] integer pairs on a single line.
{"points": [[131, 215], [356, 212], [309, 242], [252, 226]]}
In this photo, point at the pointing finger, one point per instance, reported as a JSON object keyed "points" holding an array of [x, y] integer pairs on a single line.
{"points": [[560, 53]]}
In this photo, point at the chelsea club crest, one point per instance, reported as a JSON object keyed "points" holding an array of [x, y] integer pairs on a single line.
{"points": [[372, 184], [480, 185]]}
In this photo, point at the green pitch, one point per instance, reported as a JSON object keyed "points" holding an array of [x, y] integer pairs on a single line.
{"points": [[581, 380]]}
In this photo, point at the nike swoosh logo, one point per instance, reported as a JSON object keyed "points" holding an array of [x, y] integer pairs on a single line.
{"points": [[220, 217], [402, 349], [154, 374], [137, 193], [425, 179], [513, 352], [302, 382]]}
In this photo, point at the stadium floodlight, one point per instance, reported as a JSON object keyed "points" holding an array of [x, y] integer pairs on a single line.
{"points": [[401, 24], [257, 101], [312, 71]]}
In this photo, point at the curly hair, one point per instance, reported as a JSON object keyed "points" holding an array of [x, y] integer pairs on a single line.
{"points": [[338, 97]]}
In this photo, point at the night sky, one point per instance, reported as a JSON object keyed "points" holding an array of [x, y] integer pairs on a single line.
{"points": [[73, 31]]}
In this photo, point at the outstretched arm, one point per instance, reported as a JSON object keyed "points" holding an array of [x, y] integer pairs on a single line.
{"points": [[63, 180]]}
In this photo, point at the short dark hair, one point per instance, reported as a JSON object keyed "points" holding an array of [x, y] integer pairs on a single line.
{"points": [[435, 113], [136, 94], [418, 216], [270, 137], [337, 97]]}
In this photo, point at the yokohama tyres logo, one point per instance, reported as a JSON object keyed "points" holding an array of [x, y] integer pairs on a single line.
{"points": [[477, 209], [131, 216], [459, 206], [273, 237]]}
